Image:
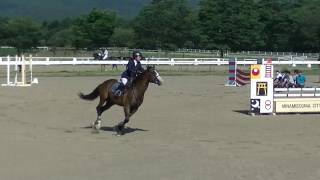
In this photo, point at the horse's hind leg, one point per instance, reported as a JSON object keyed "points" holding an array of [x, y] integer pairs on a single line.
{"points": [[106, 106], [96, 125], [100, 109]]}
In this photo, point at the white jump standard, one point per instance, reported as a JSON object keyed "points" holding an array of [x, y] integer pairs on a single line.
{"points": [[20, 61]]}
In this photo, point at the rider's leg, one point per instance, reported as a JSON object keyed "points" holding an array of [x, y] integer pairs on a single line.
{"points": [[105, 56], [122, 85]]}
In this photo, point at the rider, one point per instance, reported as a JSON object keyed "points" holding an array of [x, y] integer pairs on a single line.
{"points": [[105, 54], [132, 69]]}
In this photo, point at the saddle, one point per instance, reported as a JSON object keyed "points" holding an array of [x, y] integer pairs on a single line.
{"points": [[117, 90], [115, 87]]}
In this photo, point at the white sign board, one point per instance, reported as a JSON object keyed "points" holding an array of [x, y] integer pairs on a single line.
{"points": [[261, 89], [287, 105]]}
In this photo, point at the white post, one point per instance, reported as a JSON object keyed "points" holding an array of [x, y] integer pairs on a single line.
{"points": [[30, 68], [172, 61], [8, 70], [17, 59], [8, 73], [23, 75]]}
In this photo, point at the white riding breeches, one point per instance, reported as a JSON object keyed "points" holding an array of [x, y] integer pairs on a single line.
{"points": [[124, 81], [105, 57]]}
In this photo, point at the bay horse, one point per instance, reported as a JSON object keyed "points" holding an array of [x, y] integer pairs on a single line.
{"points": [[131, 99]]}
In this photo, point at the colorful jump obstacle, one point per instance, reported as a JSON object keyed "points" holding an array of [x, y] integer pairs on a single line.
{"points": [[237, 77], [268, 100], [26, 78], [261, 89]]}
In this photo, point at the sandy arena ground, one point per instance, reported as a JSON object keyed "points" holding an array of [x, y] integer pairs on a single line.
{"points": [[192, 127]]}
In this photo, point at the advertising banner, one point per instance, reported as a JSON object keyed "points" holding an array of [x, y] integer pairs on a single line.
{"points": [[288, 105]]}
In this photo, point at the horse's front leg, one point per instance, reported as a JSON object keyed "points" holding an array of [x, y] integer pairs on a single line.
{"points": [[128, 111]]}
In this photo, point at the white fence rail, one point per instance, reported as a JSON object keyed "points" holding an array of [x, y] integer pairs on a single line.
{"points": [[151, 61]]}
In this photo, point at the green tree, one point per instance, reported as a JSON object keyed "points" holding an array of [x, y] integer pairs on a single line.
{"points": [[23, 34], [306, 36], [94, 30], [58, 33], [229, 24], [122, 37], [279, 26], [165, 24], [3, 30], [61, 38]]}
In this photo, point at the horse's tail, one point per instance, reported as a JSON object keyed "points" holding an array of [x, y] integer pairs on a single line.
{"points": [[93, 95]]}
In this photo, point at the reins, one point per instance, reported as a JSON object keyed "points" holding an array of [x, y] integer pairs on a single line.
{"points": [[133, 89]]}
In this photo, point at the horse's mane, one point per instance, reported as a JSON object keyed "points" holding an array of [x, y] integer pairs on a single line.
{"points": [[141, 75]]}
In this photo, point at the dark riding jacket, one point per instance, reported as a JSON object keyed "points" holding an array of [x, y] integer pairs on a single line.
{"points": [[132, 70]]}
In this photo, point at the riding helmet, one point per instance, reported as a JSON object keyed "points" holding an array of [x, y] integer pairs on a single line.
{"points": [[136, 53]]}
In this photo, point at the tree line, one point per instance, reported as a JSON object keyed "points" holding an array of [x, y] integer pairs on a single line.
{"points": [[268, 25]]}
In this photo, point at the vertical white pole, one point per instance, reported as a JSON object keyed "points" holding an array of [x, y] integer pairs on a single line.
{"points": [[30, 68], [16, 70], [8, 70], [23, 75]]}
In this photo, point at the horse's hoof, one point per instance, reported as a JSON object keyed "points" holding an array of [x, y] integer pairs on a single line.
{"points": [[118, 131], [96, 125], [118, 134]]}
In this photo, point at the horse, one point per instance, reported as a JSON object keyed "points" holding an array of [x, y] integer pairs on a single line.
{"points": [[97, 56], [130, 100]]}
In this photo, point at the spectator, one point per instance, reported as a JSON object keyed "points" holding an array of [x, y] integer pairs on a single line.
{"points": [[291, 82], [278, 76], [278, 79], [295, 75], [301, 80], [285, 79]]}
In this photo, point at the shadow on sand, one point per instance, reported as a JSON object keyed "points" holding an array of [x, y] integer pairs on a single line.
{"points": [[125, 131], [111, 129], [245, 112]]}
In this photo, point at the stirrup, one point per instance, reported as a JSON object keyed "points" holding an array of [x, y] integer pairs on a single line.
{"points": [[118, 92]]}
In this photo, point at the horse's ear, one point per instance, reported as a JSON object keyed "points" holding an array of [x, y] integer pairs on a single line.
{"points": [[150, 67]]}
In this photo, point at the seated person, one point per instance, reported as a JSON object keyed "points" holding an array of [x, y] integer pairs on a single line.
{"points": [[291, 82], [278, 76], [278, 81], [300, 80]]}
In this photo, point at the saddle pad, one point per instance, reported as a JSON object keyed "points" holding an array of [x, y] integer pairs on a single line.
{"points": [[114, 87]]}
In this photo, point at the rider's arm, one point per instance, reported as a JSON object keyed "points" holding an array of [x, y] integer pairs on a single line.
{"points": [[140, 68]]}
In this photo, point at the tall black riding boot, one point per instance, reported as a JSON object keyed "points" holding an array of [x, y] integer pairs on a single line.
{"points": [[120, 89]]}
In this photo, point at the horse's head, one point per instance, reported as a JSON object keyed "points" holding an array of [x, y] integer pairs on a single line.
{"points": [[153, 75]]}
